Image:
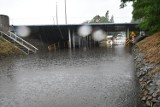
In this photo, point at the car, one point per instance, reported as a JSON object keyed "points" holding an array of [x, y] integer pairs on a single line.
{"points": [[110, 40], [120, 40]]}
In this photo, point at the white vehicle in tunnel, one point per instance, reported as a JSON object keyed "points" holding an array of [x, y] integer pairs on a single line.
{"points": [[110, 40], [120, 39]]}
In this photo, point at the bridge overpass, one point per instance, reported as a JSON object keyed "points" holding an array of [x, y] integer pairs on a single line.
{"points": [[69, 33]]}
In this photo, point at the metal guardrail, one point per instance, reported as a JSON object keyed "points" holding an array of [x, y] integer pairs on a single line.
{"points": [[20, 41]]}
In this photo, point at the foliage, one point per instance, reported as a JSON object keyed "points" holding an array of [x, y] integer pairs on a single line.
{"points": [[101, 19], [123, 3], [112, 19], [147, 12]]}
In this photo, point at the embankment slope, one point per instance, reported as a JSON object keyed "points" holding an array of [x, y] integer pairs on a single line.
{"points": [[147, 61]]}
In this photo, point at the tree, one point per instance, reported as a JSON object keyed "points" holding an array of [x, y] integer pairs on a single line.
{"points": [[101, 19], [147, 12], [123, 3], [96, 19], [112, 19], [107, 14]]}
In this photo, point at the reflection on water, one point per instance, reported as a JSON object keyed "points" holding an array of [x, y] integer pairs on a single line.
{"points": [[99, 77]]}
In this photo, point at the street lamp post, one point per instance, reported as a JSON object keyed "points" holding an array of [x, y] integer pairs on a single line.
{"points": [[53, 20]]}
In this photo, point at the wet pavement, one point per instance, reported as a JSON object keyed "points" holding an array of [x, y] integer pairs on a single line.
{"points": [[99, 77]]}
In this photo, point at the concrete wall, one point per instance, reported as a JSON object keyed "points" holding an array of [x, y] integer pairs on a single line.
{"points": [[4, 23]]}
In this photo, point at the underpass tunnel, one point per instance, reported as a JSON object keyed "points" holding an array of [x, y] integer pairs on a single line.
{"points": [[66, 36]]}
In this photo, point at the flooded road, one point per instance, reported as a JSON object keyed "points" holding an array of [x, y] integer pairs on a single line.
{"points": [[101, 77]]}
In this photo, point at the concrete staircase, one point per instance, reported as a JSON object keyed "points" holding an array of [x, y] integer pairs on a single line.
{"points": [[23, 45]]}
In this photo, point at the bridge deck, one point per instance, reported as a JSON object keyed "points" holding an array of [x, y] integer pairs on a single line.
{"points": [[54, 33]]}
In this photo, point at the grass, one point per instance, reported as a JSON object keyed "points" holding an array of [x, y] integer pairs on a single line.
{"points": [[150, 47], [8, 49]]}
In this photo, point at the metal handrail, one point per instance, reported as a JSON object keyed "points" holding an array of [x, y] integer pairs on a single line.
{"points": [[23, 42], [20, 41]]}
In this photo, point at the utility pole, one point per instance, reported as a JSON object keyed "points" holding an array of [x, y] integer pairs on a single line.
{"points": [[53, 20], [56, 13], [65, 12]]}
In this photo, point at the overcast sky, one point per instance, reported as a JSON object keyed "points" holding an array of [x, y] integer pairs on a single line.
{"points": [[37, 12]]}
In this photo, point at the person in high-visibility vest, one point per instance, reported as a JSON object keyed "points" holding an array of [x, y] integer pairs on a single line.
{"points": [[133, 40]]}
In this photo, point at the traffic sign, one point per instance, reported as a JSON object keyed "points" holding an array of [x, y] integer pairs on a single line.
{"points": [[127, 41], [133, 34]]}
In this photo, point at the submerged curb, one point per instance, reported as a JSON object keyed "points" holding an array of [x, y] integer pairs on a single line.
{"points": [[149, 84]]}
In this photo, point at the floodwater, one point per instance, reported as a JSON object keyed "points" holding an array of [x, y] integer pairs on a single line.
{"points": [[99, 77]]}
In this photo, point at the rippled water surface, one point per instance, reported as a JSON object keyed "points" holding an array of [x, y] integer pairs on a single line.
{"points": [[101, 77]]}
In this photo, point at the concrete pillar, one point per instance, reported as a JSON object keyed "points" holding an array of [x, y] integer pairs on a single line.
{"points": [[69, 36], [90, 41], [79, 41], [94, 43], [82, 42], [87, 43], [73, 40], [127, 33]]}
